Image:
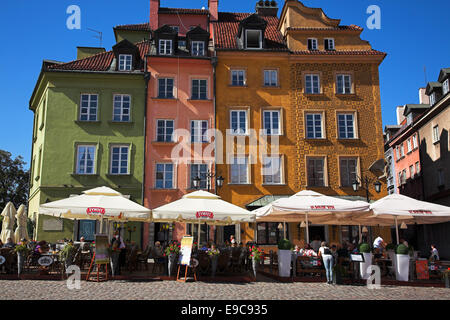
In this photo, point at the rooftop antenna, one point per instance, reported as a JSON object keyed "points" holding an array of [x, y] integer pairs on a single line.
{"points": [[99, 36]]}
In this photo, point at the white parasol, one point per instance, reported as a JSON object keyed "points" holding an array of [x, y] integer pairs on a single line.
{"points": [[21, 230], [9, 216]]}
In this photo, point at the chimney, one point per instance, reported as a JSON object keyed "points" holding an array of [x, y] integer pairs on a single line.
{"points": [[266, 8], [423, 98], [400, 116], [154, 8], [213, 7]]}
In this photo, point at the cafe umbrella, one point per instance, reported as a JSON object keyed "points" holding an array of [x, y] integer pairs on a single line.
{"points": [[9, 216], [21, 230]]}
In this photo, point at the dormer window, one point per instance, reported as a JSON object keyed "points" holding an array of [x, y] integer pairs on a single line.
{"points": [[165, 47], [312, 44], [125, 62], [198, 48], [176, 28], [432, 98], [329, 44], [446, 86], [253, 39]]}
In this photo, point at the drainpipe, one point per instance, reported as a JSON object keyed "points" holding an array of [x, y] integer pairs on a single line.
{"points": [[214, 65], [146, 79]]}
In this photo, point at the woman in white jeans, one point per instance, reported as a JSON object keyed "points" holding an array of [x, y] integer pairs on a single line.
{"points": [[327, 258]]}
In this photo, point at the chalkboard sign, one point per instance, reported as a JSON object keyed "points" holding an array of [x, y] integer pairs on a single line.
{"points": [[101, 249], [357, 257], [186, 250]]}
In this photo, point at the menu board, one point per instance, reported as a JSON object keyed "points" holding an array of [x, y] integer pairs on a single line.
{"points": [[101, 249], [186, 250]]}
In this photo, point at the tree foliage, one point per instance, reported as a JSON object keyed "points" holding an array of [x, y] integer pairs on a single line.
{"points": [[14, 180]]}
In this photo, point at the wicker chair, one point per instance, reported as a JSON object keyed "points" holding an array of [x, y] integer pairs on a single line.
{"points": [[143, 258]]}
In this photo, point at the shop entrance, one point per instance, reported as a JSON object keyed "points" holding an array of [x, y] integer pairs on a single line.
{"points": [[317, 233], [228, 231], [162, 233]]}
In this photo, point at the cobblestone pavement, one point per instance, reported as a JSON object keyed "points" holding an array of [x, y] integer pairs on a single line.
{"points": [[263, 289]]}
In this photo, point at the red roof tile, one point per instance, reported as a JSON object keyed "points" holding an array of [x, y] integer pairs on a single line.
{"points": [[226, 29], [339, 52], [98, 62], [134, 27], [338, 28], [182, 11]]}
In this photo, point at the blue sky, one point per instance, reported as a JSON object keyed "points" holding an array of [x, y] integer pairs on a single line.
{"points": [[413, 33]]}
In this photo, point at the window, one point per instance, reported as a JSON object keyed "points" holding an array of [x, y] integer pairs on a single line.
{"points": [[181, 43], [312, 83], [271, 78], [119, 159], [397, 152], [272, 170], [348, 167], [125, 62], [432, 98], [344, 84], [121, 110], [165, 47], [402, 150], [198, 130], [239, 170], [238, 121], [165, 88], [198, 48], [199, 89], [346, 126], [409, 145], [312, 44], [176, 28], [417, 168], [411, 171], [268, 232], [238, 77], [271, 124], [404, 176], [329, 44], [400, 180], [446, 87], [316, 174], [85, 159], [199, 170], [415, 143], [436, 134], [164, 130], [253, 39], [440, 177], [88, 109], [314, 126], [164, 176]]}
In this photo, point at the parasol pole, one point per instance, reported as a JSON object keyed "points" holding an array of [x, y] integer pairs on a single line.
{"points": [[101, 224], [396, 228], [198, 243], [284, 229], [360, 234], [307, 229]]}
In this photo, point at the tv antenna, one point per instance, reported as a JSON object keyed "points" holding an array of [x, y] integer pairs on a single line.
{"points": [[99, 36]]}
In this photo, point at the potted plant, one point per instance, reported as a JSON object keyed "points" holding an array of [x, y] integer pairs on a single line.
{"points": [[284, 258], [22, 253], [364, 248], [171, 253], [213, 253], [402, 263], [255, 254]]}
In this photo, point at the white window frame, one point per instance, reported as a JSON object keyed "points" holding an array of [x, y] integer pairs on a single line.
{"points": [[203, 179], [235, 131], [397, 152], [345, 89], [260, 39], [77, 167], [347, 132], [316, 158], [329, 41], [89, 107], [446, 86], [435, 134], [120, 146], [125, 62], [273, 131], [122, 108], [411, 172], [314, 44], [268, 81], [409, 145], [236, 162], [166, 91], [165, 127], [314, 114], [239, 73], [402, 150], [196, 135], [164, 175], [310, 79], [199, 91], [415, 143], [164, 49], [432, 98], [348, 173], [271, 172], [198, 48], [417, 167]]}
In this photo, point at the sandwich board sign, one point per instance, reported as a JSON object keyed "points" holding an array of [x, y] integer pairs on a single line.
{"points": [[186, 250]]}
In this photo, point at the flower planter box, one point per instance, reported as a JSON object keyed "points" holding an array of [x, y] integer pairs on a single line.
{"points": [[402, 267], [365, 265]]}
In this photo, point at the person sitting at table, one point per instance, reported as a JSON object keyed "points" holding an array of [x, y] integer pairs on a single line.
{"points": [[434, 253], [297, 249], [9, 244], [377, 254], [309, 252], [42, 247], [379, 243]]}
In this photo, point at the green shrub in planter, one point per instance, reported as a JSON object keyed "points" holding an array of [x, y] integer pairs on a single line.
{"points": [[364, 248], [402, 249], [285, 244], [391, 246]]}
